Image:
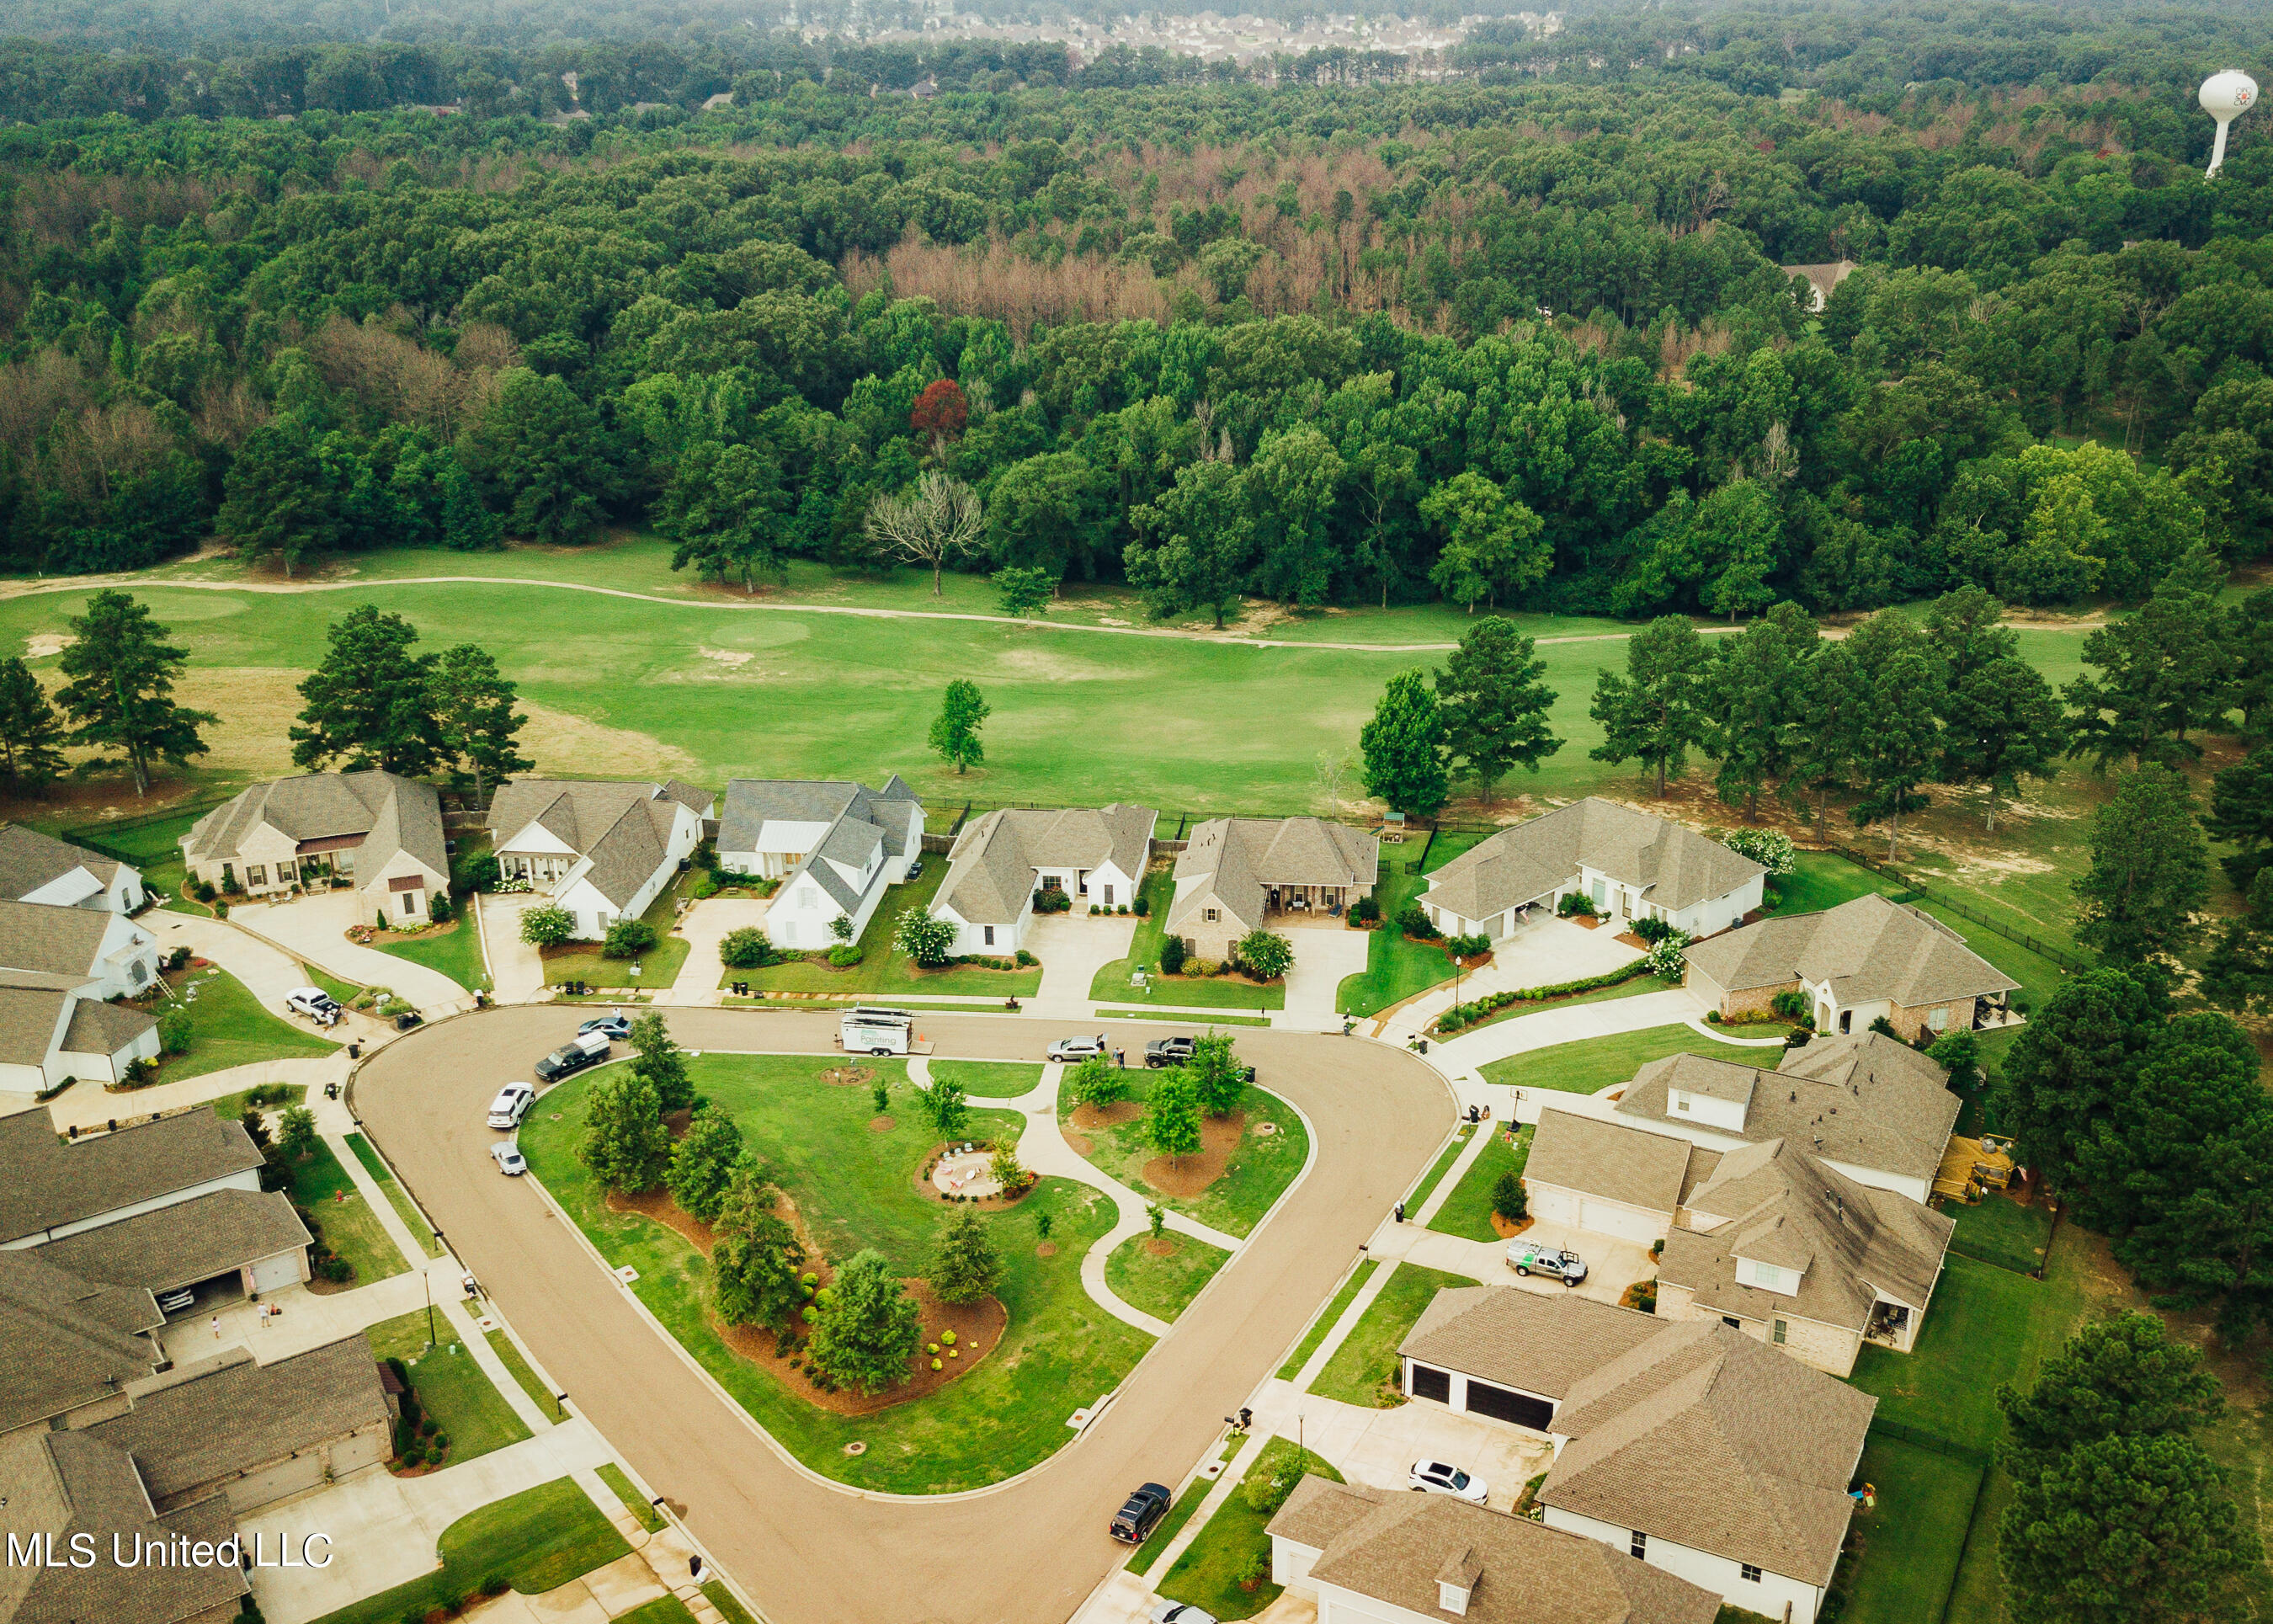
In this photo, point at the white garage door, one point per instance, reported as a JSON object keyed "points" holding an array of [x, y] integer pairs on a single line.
{"points": [[275, 1274], [1337, 1607], [1624, 1222], [1553, 1205]]}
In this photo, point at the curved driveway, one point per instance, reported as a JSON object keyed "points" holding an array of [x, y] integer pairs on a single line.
{"points": [[1032, 1549]]}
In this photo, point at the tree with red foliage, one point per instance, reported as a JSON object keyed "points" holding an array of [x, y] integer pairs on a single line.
{"points": [[940, 415]]}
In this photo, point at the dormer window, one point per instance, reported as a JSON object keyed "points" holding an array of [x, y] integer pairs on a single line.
{"points": [[1680, 1099], [1769, 1275]]}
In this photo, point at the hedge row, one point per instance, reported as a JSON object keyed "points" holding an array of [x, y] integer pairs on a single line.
{"points": [[1461, 1016]]}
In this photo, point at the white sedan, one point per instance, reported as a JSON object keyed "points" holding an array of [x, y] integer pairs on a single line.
{"points": [[509, 1160], [1441, 1477]]}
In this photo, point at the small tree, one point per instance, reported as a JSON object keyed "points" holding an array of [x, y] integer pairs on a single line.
{"points": [[628, 938], [1021, 592], [746, 947], [176, 1030], [1005, 1167], [962, 709], [1156, 1217], [661, 1062], [1403, 747], [1172, 1116], [1216, 1074], [923, 937], [1265, 955], [702, 1166], [295, 1131], [438, 908], [965, 1266], [1960, 1054], [546, 925], [841, 928], [626, 1145], [1508, 1197], [944, 1103], [882, 1092], [869, 1329], [1096, 1082], [756, 1258]]}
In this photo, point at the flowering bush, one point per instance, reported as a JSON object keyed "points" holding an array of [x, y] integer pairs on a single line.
{"points": [[1664, 959]]}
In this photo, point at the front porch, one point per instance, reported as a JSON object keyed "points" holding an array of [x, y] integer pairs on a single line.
{"points": [[1301, 905]]}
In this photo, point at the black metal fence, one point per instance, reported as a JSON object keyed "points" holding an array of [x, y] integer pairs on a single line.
{"points": [[1922, 892]]}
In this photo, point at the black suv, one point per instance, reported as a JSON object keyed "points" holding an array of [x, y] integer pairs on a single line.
{"points": [[1134, 1522]]}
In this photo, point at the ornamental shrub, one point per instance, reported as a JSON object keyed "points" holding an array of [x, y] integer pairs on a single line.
{"points": [[748, 948], [1574, 903], [1143, 908], [1413, 920], [1172, 955], [1364, 911], [1652, 930], [1790, 1003], [844, 955], [1771, 848], [1665, 961], [628, 938]]}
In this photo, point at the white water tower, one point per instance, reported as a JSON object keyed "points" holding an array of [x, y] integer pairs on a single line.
{"points": [[2225, 97]]}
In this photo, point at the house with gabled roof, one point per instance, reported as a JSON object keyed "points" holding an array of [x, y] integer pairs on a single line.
{"points": [[37, 868], [59, 966], [49, 1190], [1628, 865], [602, 851], [379, 831], [1237, 875], [835, 846], [1854, 963], [1003, 860]]}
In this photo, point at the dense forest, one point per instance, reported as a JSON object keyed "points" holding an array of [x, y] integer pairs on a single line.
{"points": [[1522, 337]]}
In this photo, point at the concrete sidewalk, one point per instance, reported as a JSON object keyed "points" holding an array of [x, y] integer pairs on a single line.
{"points": [[516, 969], [706, 926]]}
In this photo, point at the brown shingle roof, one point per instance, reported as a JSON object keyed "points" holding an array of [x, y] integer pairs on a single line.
{"points": [[99, 1028], [1608, 1159], [29, 1018], [183, 1243], [991, 871], [50, 940], [1396, 1548], [392, 814], [29, 859], [1673, 866], [1235, 859], [45, 1184], [67, 1341], [1515, 1338], [1868, 949]]}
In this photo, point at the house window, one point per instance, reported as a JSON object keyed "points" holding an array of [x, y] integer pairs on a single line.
{"points": [[1845, 1020], [1052, 881], [1782, 1328], [286, 873], [1939, 1020], [1211, 915], [409, 903], [256, 874], [1732, 1322], [1767, 1275], [1108, 895], [1747, 1570], [989, 931], [1680, 1101], [1640, 1544]]}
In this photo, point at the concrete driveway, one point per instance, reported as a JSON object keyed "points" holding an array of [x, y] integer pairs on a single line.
{"points": [[516, 970], [1323, 959], [1377, 1447], [1073, 947], [1545, 951], [315, 928], [705, 926]]}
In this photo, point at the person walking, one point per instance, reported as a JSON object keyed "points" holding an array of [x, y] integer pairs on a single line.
{"points": [[216, 1326], [1121, 1059]]}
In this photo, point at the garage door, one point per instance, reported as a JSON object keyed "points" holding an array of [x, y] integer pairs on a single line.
{"points": [[275, 1274], [1553, 1205], [1501, 1405], [1607, 1218], [1427, 1383]]}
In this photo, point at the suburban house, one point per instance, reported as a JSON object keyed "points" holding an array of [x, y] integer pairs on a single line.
{"points": [[602, 851], [381, 832], [73, 1345], [1691, 1448], [833, 846], [1854, 963], [231, 1241], [1372, 1556], [1822, 281], [1776, 1245], [1236, 875], [59, 966], [1606, 1177], [49, 1190], [1628, 864], [37, 868], [1003, 860]]}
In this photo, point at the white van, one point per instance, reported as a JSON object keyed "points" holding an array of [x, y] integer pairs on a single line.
{"points": [[864, 1030]]}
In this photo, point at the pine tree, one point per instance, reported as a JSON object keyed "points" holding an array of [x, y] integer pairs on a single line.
{"points": [[473, 706], [2239, 975], [1755, 691], [120, 691], [2068, 1067], [31, 734], [703, 1161], [1655, 713], [1495, 704], [370, 700], [1404, 748], [2000, 720], [2164, 673], [965, 1266], [624, 1145], [1895, 741], [2119, 1375], [661, 1062], [2149, 871], [869, 1329]]}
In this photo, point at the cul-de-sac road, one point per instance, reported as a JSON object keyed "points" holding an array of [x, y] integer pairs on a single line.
{"points": [[815, 1553]]}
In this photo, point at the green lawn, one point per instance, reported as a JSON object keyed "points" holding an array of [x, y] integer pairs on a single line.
{"points": [[1228, 992], [1259, 1170], [1593, 1065], [227, 1027], [405, 1207], [1182, 1020], [275, 1095], [536, 1541], [658, 966], [509, 1354], [1985, 1325], [989, 1079], [1396, 968], [1324, 1322], [1161, 1287], [2002, 1231], [455, 951], [1632, 988], [1439, 1169], [884, 970], [1909, 1547], [661, 1610], [635, 1502], [337, 1208], [155, 848], [1179, 1513], [1467, 1212], [1207, 1574], [344, 992], [450, 1384], [1824, 880], [1363, 1370], [723, 1599], [855, 1188]]}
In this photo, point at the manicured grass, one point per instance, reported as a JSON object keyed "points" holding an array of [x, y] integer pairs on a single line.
{"points": [[2001, 1231], [1259, 1170], [854, 1188], [227, 1027], [1439, 1169], [723, 1599], [344, 992], [350, 1227], [455, 951], [883, 970], [1321, 1327], [233, 1106], [509, 1354], [1985, 1325], [1363, 1370], [1182, 1020], [450, 1384], [1396, 968], [1824, 880], [1207, 1574], [1632, 987], [2039, 976], [536, 1541], [658, 966], [405, 1207], [661, 1610], [1910, 1544], [635, 1502], [1230, 992], [1467, 1211], [1161, 1287], [1165, 1534], [1595, 1064], [989, 1079]]}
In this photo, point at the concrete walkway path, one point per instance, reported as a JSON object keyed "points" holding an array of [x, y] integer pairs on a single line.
{"points": [[1568, 1023], [87, 1107], [516, 970], [315, 928], [705, 926]]}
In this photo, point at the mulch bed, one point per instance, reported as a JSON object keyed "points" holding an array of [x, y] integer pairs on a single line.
{"points": [[1161, 1247], [1585, 921], [1090, 1119], [881, 1125], [929, 1191], [978, 1330], [1186, 1176], [849, 1076], [1506, 1230], [1630, 940]]}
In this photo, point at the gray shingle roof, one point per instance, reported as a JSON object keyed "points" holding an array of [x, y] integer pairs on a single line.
{"points": [[69, 1341], [622, 829], [98, 1029], [1521, 1339], [1396, 1547], [183, 1243], [1704, 1437], [50, 940], [1867, 948], [1235, 859], [1868, 1100], [243, 1414], [29, 859], [991, 869], [1781, 1205], [28, 1019], [856, 816], [392, 814], [1674, 866], [45, 1183], [1608, 1159], [693, 797]]}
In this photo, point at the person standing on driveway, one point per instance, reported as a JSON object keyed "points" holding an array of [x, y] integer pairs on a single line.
{"points": [[1121, 1059]]}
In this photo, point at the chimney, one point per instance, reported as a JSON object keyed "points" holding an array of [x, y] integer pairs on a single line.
{"points": [[1456, 1581]]}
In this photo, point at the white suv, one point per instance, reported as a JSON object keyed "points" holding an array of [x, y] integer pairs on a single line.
{"points": [[511, 1105], [1078, 1048]]}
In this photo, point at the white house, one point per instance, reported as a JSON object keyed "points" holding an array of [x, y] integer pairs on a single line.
{"points": [[1688, 1446], [602, 851], [378, 830], [37, 868], [835, 846], [1630, 865], [1001, 862], [59, 966], [1374, 1556]]}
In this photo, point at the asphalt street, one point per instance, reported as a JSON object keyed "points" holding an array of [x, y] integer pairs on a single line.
{"points": [[818, 1553]]}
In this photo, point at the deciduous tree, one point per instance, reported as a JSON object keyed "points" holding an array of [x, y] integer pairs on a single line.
{"points": [[962, 711], [473, 706], [1172, 1116], [923, 937], [1194, 542], [1655, 713], [1404, 747], [937, 520], [370, 700], [1217, 1074], [723, 507]]}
